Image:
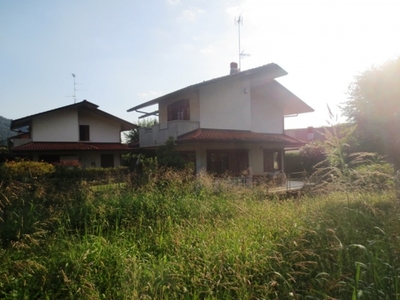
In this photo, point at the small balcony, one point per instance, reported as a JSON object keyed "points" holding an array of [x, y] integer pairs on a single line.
{"points": [[20, 141], [160, 133]]}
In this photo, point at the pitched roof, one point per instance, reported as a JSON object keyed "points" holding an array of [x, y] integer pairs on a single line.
{"points": [[125, 125], [216, 135], [70, 146], [272, 69]]}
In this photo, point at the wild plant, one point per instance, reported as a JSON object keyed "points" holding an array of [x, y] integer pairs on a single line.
{"points": [[186, 237], [344, 170]]}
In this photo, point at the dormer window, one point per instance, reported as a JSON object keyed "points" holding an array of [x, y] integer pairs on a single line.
{"points": [[84, 133], [179, 110]]}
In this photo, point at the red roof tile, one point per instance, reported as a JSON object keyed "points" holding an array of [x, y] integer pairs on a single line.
{"points": [[215, 135], [70, 146]]}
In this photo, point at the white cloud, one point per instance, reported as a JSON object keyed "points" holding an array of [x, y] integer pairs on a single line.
{"points": [[190, 15], [173, 2], [149, 94], [210, 49]]}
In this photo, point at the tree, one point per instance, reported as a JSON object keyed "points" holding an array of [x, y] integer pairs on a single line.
{"points": [[167, 156], [133, 135], [374, 106]]}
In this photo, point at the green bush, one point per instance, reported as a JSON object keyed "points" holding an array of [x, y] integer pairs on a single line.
{"points": [[26, 170], [311, 154], [293, 162]]}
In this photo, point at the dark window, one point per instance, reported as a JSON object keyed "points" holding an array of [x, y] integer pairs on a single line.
{"points": [[272, 160], [84, 133], [107, 160], [179, 110], [231, 162]]}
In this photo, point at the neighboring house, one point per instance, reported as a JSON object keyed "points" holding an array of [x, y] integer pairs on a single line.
{"points": [[308, 134], [79, 132], [233, 124], [318, 134]]}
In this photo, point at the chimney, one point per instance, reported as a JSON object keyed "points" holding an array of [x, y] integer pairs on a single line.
{"points": [[234, 68], [310, 133]]}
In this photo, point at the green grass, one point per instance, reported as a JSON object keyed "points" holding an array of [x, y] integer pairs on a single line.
{"points": [[176, 238]]}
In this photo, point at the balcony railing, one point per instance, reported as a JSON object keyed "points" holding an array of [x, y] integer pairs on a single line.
{"points": [[160, 133]]}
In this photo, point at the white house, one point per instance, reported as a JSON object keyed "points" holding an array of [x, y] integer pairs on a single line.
{"points": [[230, 124], [79, 132]]}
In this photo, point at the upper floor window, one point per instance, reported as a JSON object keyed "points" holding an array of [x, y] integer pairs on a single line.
{"points": [[84, 133], [179, 110]]}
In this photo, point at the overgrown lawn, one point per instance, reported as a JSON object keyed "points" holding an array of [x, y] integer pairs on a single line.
{"points": [[179, 238]]}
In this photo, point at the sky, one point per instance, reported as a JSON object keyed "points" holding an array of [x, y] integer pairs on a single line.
{"points": [[126, 52]]}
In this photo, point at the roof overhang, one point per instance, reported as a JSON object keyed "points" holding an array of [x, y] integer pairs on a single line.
{"points": [[292, 104], [202, 135]]}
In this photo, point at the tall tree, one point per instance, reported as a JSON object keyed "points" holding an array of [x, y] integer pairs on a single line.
{"points": [[374, 105]]}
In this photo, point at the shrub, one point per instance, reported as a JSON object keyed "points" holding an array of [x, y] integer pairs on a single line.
{"points": [[168, 156], [373, 177], [25, 170], [311, 154], [293, 162]]}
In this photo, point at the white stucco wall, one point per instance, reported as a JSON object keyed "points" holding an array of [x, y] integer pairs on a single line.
{"points": [[225, 105], [58, 126], [266, 115], [101, 129], [63, 126]]}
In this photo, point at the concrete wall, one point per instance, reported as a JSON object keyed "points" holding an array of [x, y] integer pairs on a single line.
{"points": [[57, 126], [101, 129], [266, 115], [226, 105], [158, 134], [63, 126]]}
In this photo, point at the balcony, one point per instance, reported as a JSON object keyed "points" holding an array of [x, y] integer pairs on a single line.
{"points": [[160, 133], [20, 141]]}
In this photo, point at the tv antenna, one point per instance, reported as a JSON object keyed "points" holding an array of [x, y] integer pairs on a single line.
{"points": [[75, 89], [74, 95], [242, 54]]}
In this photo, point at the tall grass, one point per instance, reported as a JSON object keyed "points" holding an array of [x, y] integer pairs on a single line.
{"points": [[179, 237]]}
